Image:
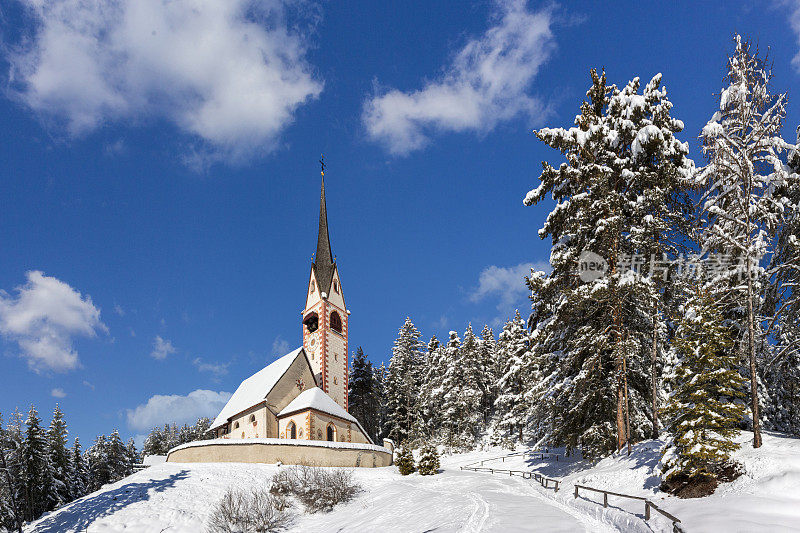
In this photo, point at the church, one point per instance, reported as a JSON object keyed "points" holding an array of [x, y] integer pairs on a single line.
{"points": [[295, 410]]}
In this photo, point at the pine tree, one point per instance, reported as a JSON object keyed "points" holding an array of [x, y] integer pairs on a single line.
{"points": [[11, 503], [100, 471], [402, 382], [37, 472], [79, 473], [119, 460], [743, 145], [428, 463], [362, 399], [59, 456], [431, 392], [782, 295], [617, 189], [512, 406], [405, 461], [705, 408]]}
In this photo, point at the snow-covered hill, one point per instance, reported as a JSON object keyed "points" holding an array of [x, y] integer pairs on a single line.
{"points": [[178, 497]]}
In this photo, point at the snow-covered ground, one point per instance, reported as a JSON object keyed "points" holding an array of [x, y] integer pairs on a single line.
{"points": [[178, 497]]}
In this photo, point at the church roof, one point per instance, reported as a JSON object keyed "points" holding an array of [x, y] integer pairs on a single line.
{"points": [[323, 260], [255, 389], [315, 398]]}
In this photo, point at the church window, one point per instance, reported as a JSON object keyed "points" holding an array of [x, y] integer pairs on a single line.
{"points": [[292, 430], [311, 322], [336, 286], [253, 419], [335, 381], [336, 322], [335, 356], [236, 425], [313, 286], [331, 433]]}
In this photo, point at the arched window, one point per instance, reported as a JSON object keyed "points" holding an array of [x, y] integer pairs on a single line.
{"points": [[253, 419], [336, 322], [331, 433], [291, 430], [336, 286], [311, 322], [236, 425], [313, 286]]}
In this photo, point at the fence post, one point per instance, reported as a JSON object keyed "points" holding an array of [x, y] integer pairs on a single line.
{"points": [[647, 509], [576, 491], [605, 499]]}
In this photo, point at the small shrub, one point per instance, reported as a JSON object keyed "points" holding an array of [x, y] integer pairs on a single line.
{"points": [[405, 461], [428, 463], [318, 489], [257, 511]]}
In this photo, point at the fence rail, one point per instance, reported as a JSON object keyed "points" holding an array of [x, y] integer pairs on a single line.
{"points": [[536, 476], [676, 523]]}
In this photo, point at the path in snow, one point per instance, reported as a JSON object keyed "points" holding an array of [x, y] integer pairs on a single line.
{"points": [[176, 498]]}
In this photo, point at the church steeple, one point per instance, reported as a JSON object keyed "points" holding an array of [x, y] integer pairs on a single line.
{"points": [[325, 317], [323, 260]]}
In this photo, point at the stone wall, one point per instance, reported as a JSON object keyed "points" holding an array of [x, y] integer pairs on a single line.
{"points": [[244, 451]]}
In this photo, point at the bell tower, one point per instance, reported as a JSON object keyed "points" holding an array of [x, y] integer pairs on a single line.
{"points": [[325, 317]]}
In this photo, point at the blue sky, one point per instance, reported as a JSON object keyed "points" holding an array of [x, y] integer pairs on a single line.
{"points": [[160, 179]]}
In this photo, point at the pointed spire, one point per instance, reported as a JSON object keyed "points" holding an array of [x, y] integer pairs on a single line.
{"points": [[323, 260]]}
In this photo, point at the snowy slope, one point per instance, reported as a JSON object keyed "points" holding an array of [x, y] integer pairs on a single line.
{"points": [[177, 498], [765, 498]]}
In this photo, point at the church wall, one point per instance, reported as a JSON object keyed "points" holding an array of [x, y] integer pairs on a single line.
{"points": [[287, 388], [303, 422], [266, 424], [336, 368]]}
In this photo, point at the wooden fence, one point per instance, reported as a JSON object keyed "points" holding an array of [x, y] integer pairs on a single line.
{"points": [[648, 505], [536, 476]]}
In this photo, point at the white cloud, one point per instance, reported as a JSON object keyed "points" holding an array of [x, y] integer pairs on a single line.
{"points": [[229, 73], [794, 21], [162, 409], [280, 346], [505, 283], [486, 83], [217, 369], [43, 319], [89, 385], [58, 393], [119, 310], [162, 348]]}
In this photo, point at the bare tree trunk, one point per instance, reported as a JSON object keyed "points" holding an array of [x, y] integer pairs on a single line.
{"points": [[653, 375], [751, 347], [627, 412]]}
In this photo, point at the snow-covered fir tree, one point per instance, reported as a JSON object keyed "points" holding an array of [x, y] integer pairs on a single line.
{"points": [[742, 204], [612, 194], [78, 471], [431, 394], [706, 403], [362, 394], [782, 371], [41, 493], [100, 471], [512, 410], [402, 383], [11, 489], [428, 463], [59, 456], [405, 460]]}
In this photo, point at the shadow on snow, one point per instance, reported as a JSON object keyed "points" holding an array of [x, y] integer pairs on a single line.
{"points": [[80, 514]]}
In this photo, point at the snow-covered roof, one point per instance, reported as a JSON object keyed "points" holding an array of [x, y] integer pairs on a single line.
{"points": [[315, 398], [254, 389]]}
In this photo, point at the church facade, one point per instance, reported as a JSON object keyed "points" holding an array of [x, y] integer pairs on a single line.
{"points": [[303, 395]]}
